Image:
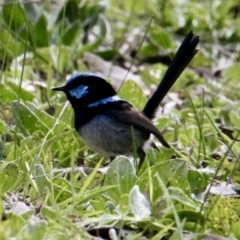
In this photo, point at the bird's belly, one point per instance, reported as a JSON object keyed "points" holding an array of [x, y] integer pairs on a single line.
{"points": [[110, 137]]}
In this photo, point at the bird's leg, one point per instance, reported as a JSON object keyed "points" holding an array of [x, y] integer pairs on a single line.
{"points": [[111, 158], [141, 154]]}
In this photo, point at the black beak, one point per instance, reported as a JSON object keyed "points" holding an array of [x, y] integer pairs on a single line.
{"points": [[59, 89]]}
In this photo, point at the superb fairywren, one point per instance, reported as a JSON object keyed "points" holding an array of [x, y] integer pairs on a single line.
{"points": [[110, 125]]}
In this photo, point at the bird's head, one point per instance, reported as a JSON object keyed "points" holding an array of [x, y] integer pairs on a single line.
{"points": [[87, 89]]}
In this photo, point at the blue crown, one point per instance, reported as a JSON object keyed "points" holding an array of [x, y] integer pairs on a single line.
{"points": [[82, 75]]}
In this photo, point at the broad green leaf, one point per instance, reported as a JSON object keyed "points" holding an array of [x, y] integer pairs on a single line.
{"points": [[153, 74], [15, 18], [9, 177], [124, 203], [232, 72], [178, 195], [9, 47], [139, 204], [48, 212], [160, 38], [7, 94], [71, 34], [29, 119], [131, 92], [148, 50], [172, 172], [190, 220], [58, 57], [41, 179], [234, 116], [62, 189], [197, 181], [121, 175], [69, 11], [12, 227], [34, 230], [40, 34], [24, 94], [26, 120], [138, 7]]}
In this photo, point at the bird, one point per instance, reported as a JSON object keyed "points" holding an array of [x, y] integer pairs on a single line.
{"points": [[112, 126]]}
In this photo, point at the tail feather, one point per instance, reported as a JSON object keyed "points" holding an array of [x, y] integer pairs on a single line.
{"points": [[184, 55]]}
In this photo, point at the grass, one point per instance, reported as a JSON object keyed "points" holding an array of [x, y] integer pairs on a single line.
{"points": [[46, 193]]}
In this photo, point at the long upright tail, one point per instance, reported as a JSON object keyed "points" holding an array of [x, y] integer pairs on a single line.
{"points": [[184, 55]]}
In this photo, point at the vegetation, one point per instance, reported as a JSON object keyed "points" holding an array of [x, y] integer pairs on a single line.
{"points": [[45, 194]]}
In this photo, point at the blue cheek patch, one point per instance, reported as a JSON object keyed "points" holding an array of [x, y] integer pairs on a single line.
{"points": [[79, 92], [105, 101]]}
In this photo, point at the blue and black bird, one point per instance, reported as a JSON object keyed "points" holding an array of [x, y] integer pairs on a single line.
{"points": [[110, 125]]}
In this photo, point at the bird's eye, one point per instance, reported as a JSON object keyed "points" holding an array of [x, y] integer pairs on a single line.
{"points": [[79, 91]]}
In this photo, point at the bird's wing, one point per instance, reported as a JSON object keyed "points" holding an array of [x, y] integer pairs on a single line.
{"points": [[130, 115]]}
